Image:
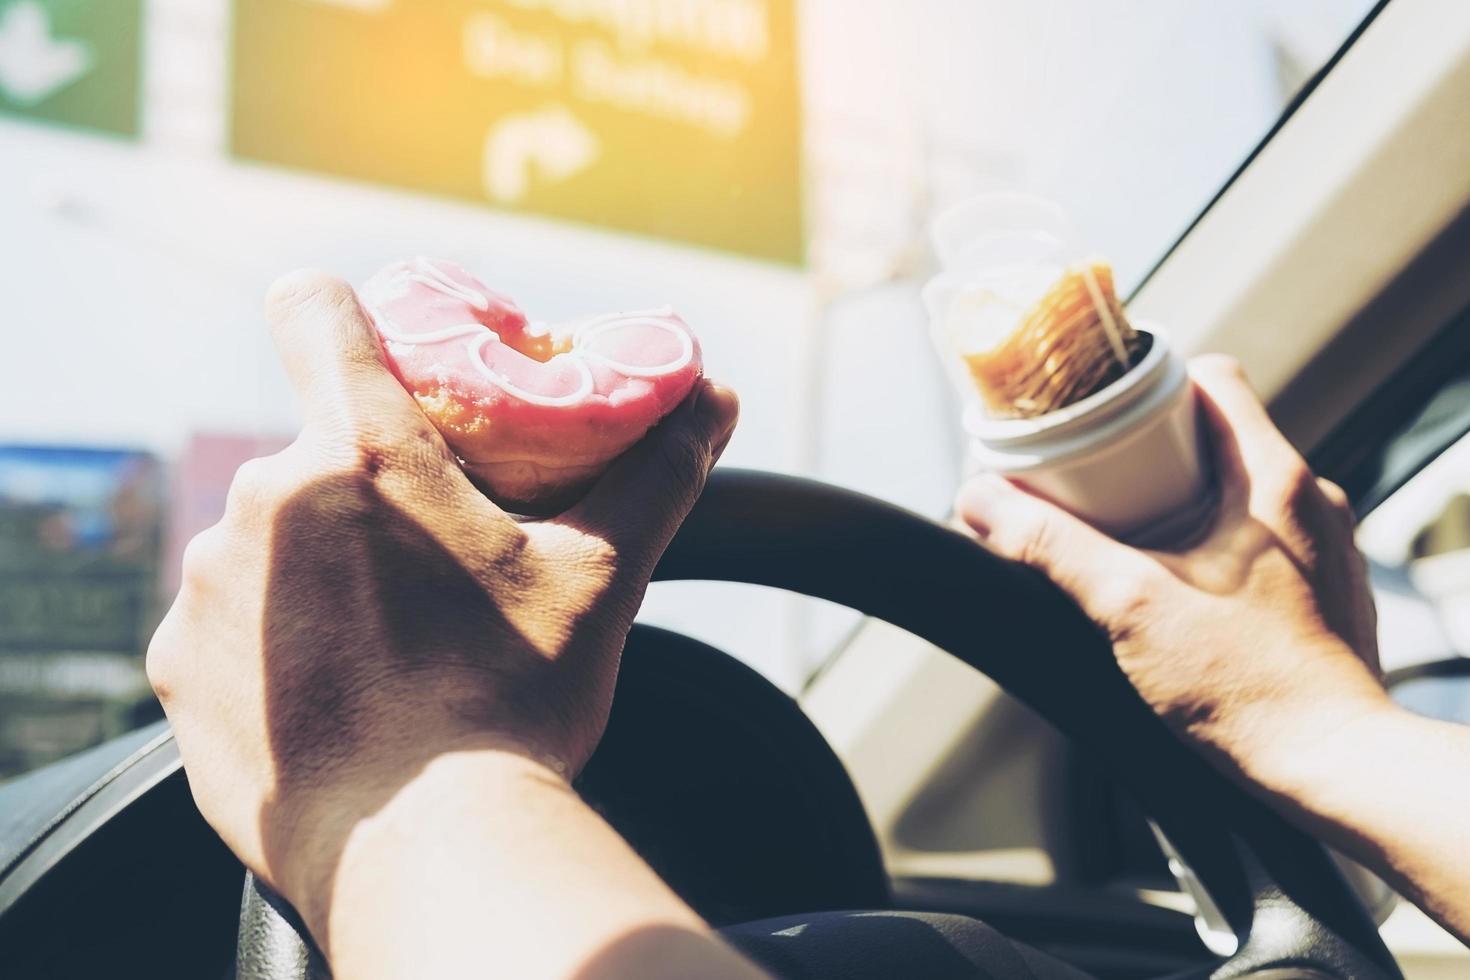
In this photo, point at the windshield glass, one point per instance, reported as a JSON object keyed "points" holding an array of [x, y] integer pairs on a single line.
{"points": [[767, 167]]}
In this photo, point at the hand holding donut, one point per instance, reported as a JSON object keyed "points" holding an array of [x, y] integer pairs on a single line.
{"points": [[362, 608]]}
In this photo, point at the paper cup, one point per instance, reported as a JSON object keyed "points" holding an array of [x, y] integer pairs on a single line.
{"points": [[1127, 459], [999, 229]]}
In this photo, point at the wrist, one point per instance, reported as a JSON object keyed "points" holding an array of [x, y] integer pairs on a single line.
{"points": [[383, 829], [1321, 744], [490, 849]]}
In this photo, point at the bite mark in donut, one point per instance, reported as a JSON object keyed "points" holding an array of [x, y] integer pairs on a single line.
{"points": [[534, 412]]}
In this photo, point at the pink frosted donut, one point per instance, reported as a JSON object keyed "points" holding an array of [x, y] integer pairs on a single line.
{"points": [[535, 412]]}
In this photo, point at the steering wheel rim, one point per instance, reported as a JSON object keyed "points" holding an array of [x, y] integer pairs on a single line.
{"points": [[1277, 887]]}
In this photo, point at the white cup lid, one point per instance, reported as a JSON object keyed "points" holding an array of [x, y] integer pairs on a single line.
{"points": [[1000, 229]]}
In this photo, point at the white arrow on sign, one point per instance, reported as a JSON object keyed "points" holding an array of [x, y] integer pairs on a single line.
{"points": [[33, 64], [551, 140]]}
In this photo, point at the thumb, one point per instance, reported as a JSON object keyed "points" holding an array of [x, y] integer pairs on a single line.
{"points": [[331, 352], [643, 498], [1086, 563]]}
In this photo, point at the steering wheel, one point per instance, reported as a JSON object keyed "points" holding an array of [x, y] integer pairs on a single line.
{"points": [[1283, 896]]}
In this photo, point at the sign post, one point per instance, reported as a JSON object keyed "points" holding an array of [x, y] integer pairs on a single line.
{"points": [[671, 118]]}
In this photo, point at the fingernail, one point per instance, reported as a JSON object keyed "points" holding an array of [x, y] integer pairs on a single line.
{"points": [[976, 501], [717, 408]]}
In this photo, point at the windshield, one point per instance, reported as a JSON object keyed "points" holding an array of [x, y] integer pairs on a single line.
{"points": [[767, 167]]}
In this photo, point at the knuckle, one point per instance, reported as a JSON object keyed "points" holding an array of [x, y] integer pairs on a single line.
{"points": [[158, 664], [411, 449], [372, 453], [250, 490], [200, 558]]}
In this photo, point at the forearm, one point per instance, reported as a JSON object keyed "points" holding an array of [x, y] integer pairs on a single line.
{"points": [[1391, 790], [486, 861]]}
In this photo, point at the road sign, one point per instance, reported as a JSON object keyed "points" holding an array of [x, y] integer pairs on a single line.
{"points": [[673, 118], [72, 61]]}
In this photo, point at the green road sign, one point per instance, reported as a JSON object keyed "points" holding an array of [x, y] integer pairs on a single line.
{"points": [[673, 118], [72, 61]]}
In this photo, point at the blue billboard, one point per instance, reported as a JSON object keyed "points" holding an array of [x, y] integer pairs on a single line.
{"points": [[80, 533]]}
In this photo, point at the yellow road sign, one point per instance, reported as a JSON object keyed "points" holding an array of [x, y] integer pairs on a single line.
{"points": [[673, 118]]}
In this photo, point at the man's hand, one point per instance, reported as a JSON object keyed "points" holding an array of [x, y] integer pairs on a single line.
{"points": [[1258, 644], [1234, 639], [363, 614]]}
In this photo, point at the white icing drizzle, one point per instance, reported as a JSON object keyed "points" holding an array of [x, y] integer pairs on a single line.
{"points": [[586, 333], [390, 331], [585, 382], [428, 274]]}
